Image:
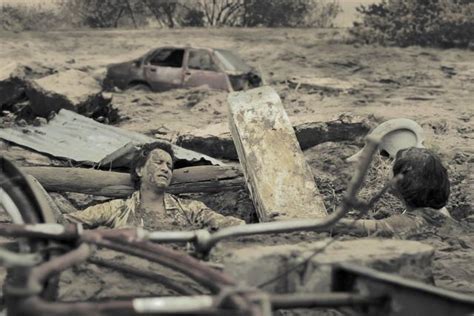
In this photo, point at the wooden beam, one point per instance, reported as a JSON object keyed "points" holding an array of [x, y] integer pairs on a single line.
{"points": [[279, 179], [315, 133], [308, 134], [117, 184]]}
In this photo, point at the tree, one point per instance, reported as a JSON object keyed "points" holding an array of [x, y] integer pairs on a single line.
{"points": [[221, 12], [290, 13], [215, 13], [164, 11], [275, 13], [102, 13], [322, 13], [445, 23]]}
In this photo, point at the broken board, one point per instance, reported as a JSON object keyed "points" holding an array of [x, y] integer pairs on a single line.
{"points": [[279, 179]]}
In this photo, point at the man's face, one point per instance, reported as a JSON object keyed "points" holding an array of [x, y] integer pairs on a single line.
{"points": [[157, 171]]}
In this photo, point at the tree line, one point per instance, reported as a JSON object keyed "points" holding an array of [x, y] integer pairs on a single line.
{"points": [[175, 13], [439, 23]]}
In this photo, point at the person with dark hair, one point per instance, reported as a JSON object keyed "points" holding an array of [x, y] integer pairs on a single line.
{"points": [[424, 188], [425, 181], [150, 206]]}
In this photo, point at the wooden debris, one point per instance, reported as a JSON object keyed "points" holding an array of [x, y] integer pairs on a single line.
{"points": [[315, 133], [117, 184], [219, 144], [279, 179]]}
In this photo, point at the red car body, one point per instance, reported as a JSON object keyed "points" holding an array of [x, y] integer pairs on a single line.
{"points": [[168, 68]]}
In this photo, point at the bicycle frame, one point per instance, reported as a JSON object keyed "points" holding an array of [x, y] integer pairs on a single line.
{"points": [[137, 245], [24, 296], [362, 291], [26, 301], [228, 298]]}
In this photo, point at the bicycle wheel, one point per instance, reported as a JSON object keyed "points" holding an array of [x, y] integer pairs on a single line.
{"points": [[25, 203]]}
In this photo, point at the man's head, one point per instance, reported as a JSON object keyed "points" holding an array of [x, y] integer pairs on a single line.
{"points": [[425, 181], [152, 168]]}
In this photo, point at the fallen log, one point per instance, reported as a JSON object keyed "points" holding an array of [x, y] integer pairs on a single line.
{"points": [[279, 179], [219, 144], [117, 184], [315, 133]]}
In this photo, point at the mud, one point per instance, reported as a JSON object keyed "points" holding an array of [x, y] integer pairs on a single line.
{"points": [[389, 83]]}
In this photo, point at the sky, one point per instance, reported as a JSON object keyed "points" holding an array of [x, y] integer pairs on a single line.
{"points": [[344, 19]]}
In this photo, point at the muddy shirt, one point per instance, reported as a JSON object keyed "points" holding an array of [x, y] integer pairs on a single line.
{"points": [[418, 221], [180, 213]]}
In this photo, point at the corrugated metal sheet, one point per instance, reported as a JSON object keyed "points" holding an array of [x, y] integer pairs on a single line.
{"points": [[72, 136]]}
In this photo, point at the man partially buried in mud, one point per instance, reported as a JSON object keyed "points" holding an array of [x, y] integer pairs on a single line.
{"points": [[151, 207], [424, 188]]}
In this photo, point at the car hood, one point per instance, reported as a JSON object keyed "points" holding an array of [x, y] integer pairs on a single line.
{"points": [[120, 67], [231, 63]]}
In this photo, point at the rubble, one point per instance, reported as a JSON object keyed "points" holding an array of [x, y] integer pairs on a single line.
{"points": [[72, 89], [257, 264], [63, 204], [11, 87], [13, 77], [277, 174]]}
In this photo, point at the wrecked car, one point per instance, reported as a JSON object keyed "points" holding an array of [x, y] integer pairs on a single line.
{"points": [[169, 68]]}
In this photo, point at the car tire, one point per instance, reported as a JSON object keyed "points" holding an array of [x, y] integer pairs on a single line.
{"points": [[140, 87]]}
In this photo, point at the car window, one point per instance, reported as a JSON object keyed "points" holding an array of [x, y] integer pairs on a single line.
{"points": [[168, 58], [232, 62], [202, 60]]}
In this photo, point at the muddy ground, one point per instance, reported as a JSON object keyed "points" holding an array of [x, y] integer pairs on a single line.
{"points": [[433, 87]]}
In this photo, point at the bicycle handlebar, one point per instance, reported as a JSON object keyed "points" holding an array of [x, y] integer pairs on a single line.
{"points": [[204, 240], [134, 242]]}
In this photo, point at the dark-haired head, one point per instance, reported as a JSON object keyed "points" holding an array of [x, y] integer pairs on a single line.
{"points": [[142, 156], [425, 181]]}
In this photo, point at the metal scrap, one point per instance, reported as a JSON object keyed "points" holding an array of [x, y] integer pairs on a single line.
{"points": [[75, 137]]}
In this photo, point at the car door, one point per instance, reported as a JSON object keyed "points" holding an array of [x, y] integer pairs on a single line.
{"points": [[163, 70], [202, 70]]}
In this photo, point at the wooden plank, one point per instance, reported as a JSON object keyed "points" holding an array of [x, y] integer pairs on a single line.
{"points": [[116, 184], [279, 179]]}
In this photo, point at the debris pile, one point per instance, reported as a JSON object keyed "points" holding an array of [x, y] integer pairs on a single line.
{"points": [[72, 90], [34, 90]]}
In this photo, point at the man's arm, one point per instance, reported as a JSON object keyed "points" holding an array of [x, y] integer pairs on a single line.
{"points": [[97, 215], [393, 225], [201, 215]]}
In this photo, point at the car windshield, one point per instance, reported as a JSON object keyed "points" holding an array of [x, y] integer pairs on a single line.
{"points": [[231, 62]]}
